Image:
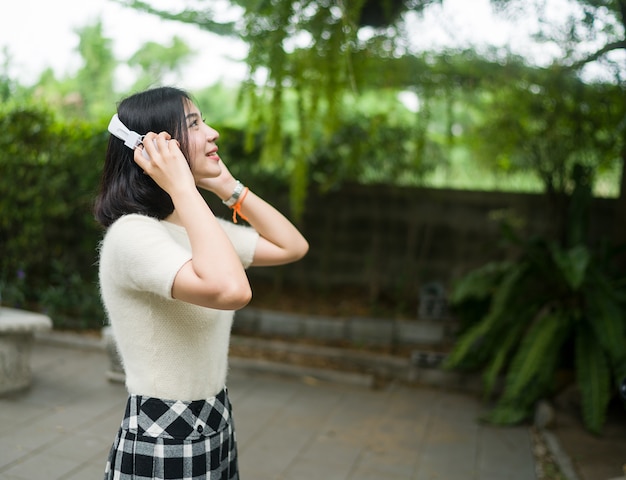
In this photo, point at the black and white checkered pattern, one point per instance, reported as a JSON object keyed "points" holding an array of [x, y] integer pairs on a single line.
{"points": [[166, 439]]}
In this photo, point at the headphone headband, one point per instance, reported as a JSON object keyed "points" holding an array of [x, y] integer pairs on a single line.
{"points": [[131, 139]]}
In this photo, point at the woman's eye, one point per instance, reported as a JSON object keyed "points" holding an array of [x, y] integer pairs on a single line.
{"points": [[195, 123]]}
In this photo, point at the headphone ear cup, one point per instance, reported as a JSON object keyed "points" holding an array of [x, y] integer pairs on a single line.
{"points": [[145, 153]]}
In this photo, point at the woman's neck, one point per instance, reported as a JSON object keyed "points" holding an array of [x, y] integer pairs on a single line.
{"points": [[173, 218]]}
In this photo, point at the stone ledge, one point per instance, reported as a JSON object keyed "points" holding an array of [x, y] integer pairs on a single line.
{"points": [[381, 367], [17, 331], [356, 330], [20, 321]]}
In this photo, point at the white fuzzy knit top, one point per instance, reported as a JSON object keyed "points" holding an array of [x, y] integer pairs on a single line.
{"points": [[170, 349]]}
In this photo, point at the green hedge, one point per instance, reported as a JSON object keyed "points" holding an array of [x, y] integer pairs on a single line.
{"points": [[49, 173]]}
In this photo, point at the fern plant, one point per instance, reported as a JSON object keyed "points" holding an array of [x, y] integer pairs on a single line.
{"points": [[556, 306]]}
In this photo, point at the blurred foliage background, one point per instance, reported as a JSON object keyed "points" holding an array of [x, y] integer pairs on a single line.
{"points": [[335, 94]]}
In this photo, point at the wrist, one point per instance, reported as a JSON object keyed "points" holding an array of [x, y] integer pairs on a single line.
{"points": [[236, 199], [223, 188], [181, 196], [236, 191], [226, 189]]}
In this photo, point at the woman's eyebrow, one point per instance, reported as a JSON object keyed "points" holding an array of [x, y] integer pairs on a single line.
{"points": [[192, 115]]}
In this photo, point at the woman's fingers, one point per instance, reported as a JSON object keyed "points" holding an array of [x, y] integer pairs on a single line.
{"points": [[139, 158], [151, 146], [163, 161], [154, 144]]}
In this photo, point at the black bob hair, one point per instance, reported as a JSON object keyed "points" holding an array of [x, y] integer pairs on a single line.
{"points": [[124, 188]]}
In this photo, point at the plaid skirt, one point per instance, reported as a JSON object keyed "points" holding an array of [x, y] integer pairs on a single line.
{"points": [[169, 439]]}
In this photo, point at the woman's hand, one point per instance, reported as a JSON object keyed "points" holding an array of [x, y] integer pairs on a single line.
{"points": [[167, 165], [223, 185]]}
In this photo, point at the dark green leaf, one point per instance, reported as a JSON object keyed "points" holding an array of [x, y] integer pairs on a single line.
{"points": [[572, 264], [593, 377]]}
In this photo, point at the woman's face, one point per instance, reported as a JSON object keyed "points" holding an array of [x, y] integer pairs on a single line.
{"points": [[203, 158]]}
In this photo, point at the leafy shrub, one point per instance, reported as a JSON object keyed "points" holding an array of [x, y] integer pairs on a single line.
{"points": [[556, 307], [49, 172]]}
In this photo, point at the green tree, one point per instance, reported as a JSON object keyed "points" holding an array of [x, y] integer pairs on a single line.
{"points": [[593, 33], [319, 69], [155, 61], [6, 83], [328, 52], [548, 122], [95, 79], [592, 30], [90, 93]]}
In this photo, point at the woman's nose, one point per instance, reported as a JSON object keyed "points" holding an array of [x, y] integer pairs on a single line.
{"points": [[212, 134]]}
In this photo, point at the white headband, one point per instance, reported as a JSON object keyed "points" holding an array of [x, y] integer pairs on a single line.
{"points": [[131, 139]]}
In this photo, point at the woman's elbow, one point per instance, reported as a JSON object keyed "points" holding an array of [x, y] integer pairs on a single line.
{"points": [[244, 297], [301, 250], [236, 296], [269, 254], [294, 253], [296, 250]]}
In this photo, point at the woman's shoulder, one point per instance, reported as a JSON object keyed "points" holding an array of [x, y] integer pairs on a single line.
{"points": [[134, 221], [132, 225]]}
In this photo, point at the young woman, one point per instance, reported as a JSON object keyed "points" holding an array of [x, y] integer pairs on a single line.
{"points": [[171, 275]]}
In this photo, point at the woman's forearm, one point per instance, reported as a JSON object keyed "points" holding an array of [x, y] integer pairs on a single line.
{"points": [[215, 276], [280, 241], [286, 243]]}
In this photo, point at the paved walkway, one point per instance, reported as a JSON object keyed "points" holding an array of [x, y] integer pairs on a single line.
{"points": [[288, 428]]}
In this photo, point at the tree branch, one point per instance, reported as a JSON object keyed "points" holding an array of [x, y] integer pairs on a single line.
{"points": [[202, 19], [594, 56]]}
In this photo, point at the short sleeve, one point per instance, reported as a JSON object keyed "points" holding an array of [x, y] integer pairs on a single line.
{"points": [[139, 253], [244, 240]]}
